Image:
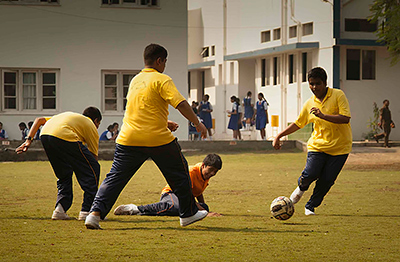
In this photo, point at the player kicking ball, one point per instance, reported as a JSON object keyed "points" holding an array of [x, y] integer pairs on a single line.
{"points": [[168, 205], [330, 143]]}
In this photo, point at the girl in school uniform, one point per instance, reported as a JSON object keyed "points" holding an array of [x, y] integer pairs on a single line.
{"points": [[261, 114], [248, 110], [235, 120], [205, 109]]}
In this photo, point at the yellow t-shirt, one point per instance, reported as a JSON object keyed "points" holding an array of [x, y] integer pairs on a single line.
{"points": [[330, 138], [198, 183], [146, 117], [73, 127]]}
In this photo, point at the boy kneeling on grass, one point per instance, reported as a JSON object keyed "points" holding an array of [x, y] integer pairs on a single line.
{"points": [[168, 205]]}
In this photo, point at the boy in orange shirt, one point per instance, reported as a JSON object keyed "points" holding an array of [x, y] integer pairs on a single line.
{"points": [[168, 205]]}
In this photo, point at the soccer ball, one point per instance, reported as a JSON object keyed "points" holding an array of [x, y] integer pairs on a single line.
{"points": [[282, 208]]}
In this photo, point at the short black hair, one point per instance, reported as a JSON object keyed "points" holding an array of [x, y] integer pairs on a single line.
{"points": [[249, 93], [30, 124], [208, 97], [213, 160], [385, 100], [110, 127], [152, 52], [115, 124], [93, 113], [22, 124], [317, 72]]}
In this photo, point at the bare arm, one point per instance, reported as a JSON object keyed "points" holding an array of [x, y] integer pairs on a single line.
{"points": [[35, 127], [289, 130], [186, 110], [337, 119]]}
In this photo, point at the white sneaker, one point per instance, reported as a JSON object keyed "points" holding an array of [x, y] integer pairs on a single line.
{"points": [[83, 215], [196, 217], [92, 222], [296, 195], [308, 212], [130, 209], [57, 215]]}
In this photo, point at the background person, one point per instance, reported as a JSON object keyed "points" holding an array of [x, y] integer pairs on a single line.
{"points": [[146, 133], [261, 115], [385, 122], [330, 142], [168, 205], [248, 110], [234, 121], [24, 130], [205, 109], [71, 142], [3, 133]]}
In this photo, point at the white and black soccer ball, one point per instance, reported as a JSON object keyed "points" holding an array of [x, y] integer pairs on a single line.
{"points": [[282, 208]]}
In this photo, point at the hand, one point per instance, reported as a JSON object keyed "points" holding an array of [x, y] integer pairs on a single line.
{"points": [[277, 143], [392, 125], [24, 147], [202, 129], [172, 125], [214, 214], [316, 112]]}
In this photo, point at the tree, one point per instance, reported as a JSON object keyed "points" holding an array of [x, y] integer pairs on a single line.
{"points": [[387, 14]]}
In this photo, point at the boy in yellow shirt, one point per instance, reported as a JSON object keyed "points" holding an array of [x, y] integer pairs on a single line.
{"points": [[168, 205], [146, 133], [330, 142], [71, 142]]}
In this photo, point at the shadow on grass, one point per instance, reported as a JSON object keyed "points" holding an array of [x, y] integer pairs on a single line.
{"points": [[359, 215]]}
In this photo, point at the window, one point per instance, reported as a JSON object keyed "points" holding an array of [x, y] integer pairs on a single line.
{"points": [[266, 36], [115, 87], [232, 75], [220, 74], [205, 52], [189, 83], [203, 83], [308, 29], [293, 31], [359, 25], [29, 89], [277, 34], [276, 70], [265, 72], [213, 50], [304, 67], [360, 64], [35, 2], [292, 69], [130, 3]]}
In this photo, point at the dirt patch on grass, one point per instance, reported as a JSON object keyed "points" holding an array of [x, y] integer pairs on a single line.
{"points": [[366, 158]]}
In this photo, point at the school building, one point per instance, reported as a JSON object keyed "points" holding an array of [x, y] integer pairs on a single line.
{"points": [[64, 55], [267, 46]]}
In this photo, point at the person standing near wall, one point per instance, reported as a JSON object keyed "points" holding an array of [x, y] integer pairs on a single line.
{"points": [[205, 109], [248, 110], [261, 115], [385, 123]]}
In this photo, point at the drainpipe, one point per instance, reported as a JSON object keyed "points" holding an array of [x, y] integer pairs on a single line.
{"points": [[284, 9], [223, 61]]}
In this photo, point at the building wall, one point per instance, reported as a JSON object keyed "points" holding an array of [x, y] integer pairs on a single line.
{"points": [[81, 38]]}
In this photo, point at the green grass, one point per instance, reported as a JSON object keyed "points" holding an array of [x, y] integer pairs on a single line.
{"points": [[358, 221]]}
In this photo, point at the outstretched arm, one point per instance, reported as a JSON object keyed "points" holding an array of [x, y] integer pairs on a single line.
{"points": [[290, 129], [32, 132], [186, 110]]}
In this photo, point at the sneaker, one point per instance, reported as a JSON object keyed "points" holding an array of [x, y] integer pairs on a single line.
{"points": [[92, 222], [83, 215], [196, 217], [130, 209], [296, 195], [57, 215], [308, 212]]}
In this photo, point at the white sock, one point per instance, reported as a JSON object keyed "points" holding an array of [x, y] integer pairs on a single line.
{"points": [[59, 208]]}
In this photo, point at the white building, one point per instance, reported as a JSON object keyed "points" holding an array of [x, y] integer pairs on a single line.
{"points": [[268, 46], [64, 55]]}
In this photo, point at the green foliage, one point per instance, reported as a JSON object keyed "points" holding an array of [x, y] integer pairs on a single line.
{"points": [[358, 220], [373, 124], [387, 13]]}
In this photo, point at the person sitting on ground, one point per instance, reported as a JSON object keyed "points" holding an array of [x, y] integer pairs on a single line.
{"points": [[168, 205], [108, 134]]}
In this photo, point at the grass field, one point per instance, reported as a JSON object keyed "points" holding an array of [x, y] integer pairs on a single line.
{"points": [[359, 219]]}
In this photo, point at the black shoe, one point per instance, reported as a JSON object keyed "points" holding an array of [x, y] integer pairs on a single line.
{"points": [[376, 139]]}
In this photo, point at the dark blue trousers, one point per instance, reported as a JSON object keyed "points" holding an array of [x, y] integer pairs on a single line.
{"points": [[128, 159], [67, 158], [324, 169], [167, 206]]}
